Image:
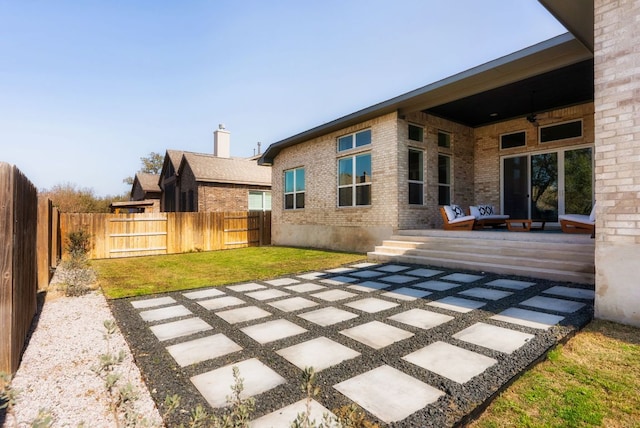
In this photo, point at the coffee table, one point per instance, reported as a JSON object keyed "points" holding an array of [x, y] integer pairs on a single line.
{"points": [[524, 225]]}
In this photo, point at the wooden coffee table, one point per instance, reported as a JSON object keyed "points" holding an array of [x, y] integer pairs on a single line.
{"points": [[524, 225]]}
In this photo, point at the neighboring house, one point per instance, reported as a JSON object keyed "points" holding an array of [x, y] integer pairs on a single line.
{"points": [[537, 133], [145, 186], [207, 183]]}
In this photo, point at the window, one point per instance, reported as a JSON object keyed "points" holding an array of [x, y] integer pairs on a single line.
{"points": [[259, 201], [294, 189], [357, 139], [416, 133], [561, 131], [444, 180], [444, 139], [354, 180], [515, 139], [416, 177]]}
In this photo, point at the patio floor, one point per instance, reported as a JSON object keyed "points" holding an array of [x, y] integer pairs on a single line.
{"points": [[411, 345]]}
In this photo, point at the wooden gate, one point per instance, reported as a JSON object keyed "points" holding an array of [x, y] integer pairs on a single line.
{"points": [[137, 235], [243, 229]]}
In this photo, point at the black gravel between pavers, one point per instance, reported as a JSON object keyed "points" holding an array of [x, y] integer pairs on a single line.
{"points": [[164, 377]]}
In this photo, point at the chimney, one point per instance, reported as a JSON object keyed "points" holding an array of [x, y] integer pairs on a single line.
{"points": [[221, 142]]}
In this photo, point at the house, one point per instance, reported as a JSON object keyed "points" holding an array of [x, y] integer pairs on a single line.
{"points": [[214, 182], [145, 196], [544, 131]]}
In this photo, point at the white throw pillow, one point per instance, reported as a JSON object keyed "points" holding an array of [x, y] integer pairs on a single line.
{"points": [[451, 215], [457, 209]]}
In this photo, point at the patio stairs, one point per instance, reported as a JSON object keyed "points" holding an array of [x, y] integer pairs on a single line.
{"points": [[553, 256]]}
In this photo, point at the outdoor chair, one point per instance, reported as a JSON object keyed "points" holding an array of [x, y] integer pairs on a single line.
{"points": [[579, 223], [486, 216], [454, 219]]}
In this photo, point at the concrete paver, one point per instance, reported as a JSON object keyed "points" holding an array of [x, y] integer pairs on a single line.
{"points": [[553, 304], [376, 334], [221, 302], [180, 328], [494, 337], [272, 330], [457, 304], [528, 318], [202, 349], [319, 353], [328, 316], [165, 313]]}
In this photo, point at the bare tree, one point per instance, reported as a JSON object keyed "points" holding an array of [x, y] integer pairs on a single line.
{"points": [[151, 164], [70, 198]]}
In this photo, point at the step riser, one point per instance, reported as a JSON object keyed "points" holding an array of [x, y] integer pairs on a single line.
{"points": [[492, 243]]}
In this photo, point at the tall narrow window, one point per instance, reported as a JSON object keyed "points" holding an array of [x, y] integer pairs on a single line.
{"points": [[444, 180], [294, 189], [416, 177], [354, 180], [444, 139], [352, 141]]}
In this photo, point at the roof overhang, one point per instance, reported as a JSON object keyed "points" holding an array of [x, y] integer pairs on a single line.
{"points": [[544, 58], [576, 15]]}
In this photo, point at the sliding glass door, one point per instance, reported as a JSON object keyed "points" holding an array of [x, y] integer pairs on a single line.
{"points": [[542, 186]]}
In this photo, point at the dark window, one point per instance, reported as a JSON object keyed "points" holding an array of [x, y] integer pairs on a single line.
{"points": [[444, 139], [354, 180], [516, 139], [561, 131], [444, 180], [294, 189], [416, 177], [416, 133]]}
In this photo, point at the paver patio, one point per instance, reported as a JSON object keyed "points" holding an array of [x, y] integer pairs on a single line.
{"points": [[411, 345]]}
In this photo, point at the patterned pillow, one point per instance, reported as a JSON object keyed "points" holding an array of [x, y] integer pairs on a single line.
{"points": [[457, 210], [485, 210]]}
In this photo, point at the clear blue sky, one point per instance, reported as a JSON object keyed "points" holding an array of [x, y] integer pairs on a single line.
{"points": [[89, 87]]}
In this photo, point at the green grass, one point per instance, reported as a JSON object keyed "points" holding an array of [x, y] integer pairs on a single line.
{"points": [[156, 274], [591, 381]]}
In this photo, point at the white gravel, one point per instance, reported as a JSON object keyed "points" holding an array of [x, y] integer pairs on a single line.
{"points": [[55, 373]]}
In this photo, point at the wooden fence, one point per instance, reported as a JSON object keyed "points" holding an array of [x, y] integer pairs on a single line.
{"points": [[18, 263], [130, 235]]}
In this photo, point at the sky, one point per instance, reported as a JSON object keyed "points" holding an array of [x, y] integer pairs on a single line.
{"points": [[87, 88]]}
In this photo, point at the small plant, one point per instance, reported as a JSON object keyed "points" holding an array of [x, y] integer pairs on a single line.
{"points": [[78, 246], [9, 398], [75, 274]]}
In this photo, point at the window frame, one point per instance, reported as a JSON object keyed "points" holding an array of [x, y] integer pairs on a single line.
{"points": [[513, 133], [421, 131], [295, 192], [354, 184], [420, 181], [448, 146], [354, 140], [542, 127], [265, 202], [448, 185]]}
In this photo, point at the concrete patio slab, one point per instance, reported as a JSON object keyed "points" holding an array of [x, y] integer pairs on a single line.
{"points": [[215, 385], [455, 363], [283, 417], [528, 318], [180, 328], [339, 280], [376, 334], [486, 293], [573, 293], [424, 273], [250, 313], [328, 316], [341, 270], [369, 286], [457, 304], [201, 294], [553, 304], [205, 348], [371, 305], [333, 295], [282, 281], [319, 353], [367, 274], [494, 337], [251, 286], [293, 304], [221, 302], [437, 285], [364, 265], [388, 393], [305, 288], [271, 331], [165, 313], [511, 284], [392, 268], [407, 293], [312, 275], [150, 303], [421, 318], [463, 277], [267, 294], [398, 279]]}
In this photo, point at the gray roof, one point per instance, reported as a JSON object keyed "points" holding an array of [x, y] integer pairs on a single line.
{"points": [[149, 182], [175, 156], [212, 169]]}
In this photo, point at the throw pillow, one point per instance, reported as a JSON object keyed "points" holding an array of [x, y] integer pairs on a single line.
{"points": [[485, 210], [457, 209]]}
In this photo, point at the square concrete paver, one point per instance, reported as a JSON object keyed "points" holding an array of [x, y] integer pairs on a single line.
{"points": [[371, 305], [528, 318], [376, 334], [165, 313], [150, 303], [319, 353], [457, 304], [271, 331], [553, 304], [310, 276], [340, 270], [328, 316], [282, 281], [424, 273], [180, 328], [368, 286], [339, 280], [333, 295], [486, 293], [283, 417], [511, 284], [205, 348], [251, 286], [388, 393], [293, 304], [221, 302], [462, 277], [392, 268], [304, 288], [398, 279], [250, 313], [406, 293], [201, 294], [364, 265], [215, 385], [455, 363], [436, 285], [367, 274], [267, 294], [575, 293], [421, 318], [494, 337]]}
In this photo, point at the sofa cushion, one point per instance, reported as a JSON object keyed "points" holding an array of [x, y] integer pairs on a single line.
{"points": [[453, 212]]}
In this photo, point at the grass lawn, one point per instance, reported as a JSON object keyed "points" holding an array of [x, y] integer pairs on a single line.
{"points": [[591, 381], [139, 276]]}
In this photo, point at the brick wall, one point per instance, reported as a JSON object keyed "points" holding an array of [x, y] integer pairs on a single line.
{"points": [[617, 130], [220, 197]]}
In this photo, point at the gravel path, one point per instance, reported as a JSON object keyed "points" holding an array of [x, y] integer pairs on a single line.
{"points": [[55, 373]]}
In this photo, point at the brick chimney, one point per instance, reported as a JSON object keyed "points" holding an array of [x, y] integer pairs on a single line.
{"points": [[221, 142]]}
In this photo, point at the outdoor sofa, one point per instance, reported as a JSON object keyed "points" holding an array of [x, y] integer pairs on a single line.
{"points": [[486, 216], [579, 223], [454, 218]]}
